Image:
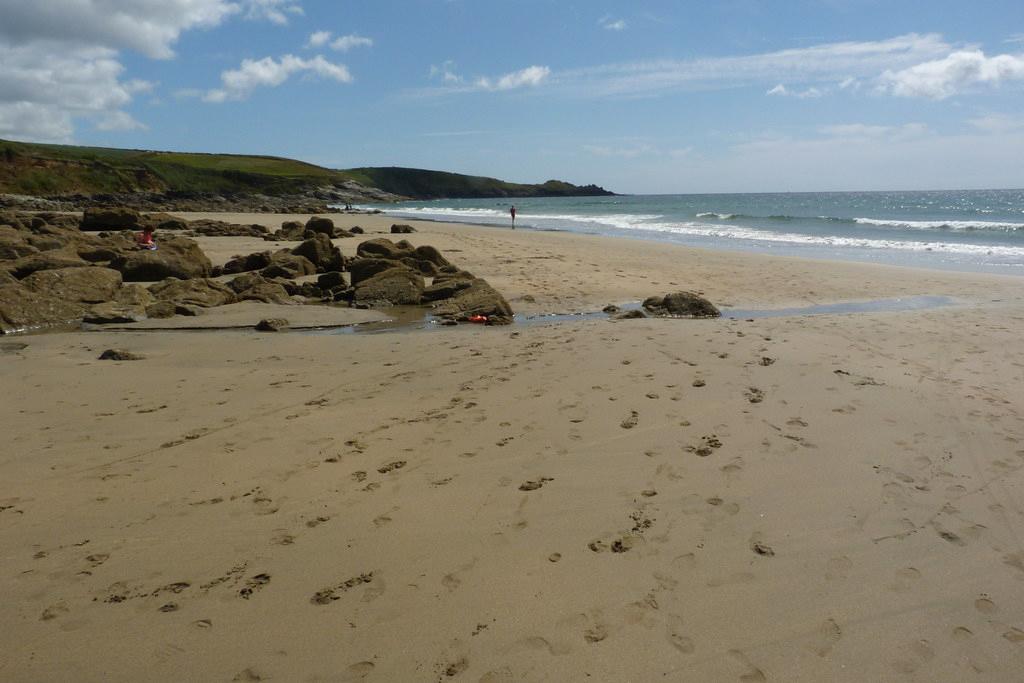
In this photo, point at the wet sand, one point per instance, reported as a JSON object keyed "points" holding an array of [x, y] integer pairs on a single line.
{"points": [[832, 497]]}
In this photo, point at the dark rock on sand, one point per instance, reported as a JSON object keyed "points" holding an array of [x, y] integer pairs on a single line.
{"points": [[477, 299], [288, 265], [110, 218], [356, 230], [321, 252], [133, 295], [426, 259], [253, 287], [120, 354], [14, 247], [22, 309], [364, 268], [48, 260], [628, 315], [80, 285], [242, 264], [198, 292], [177, 257], [330, 280], [398, 286], [161, 309], [681, 304], [320, 225], [272, 325], [402, 229]]}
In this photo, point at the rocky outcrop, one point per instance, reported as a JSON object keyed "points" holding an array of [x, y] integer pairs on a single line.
{"points": [[426, 259], [253, 287], [243, 264], [198, 292], [111, 218], [397, 286], [321, 252], [177, 257], [47, 260], [272, 325], [288, 265], [211, 228], [324, 226], [402, 229], [22, 309], [78, 285], [478, 299], [681, 305]]}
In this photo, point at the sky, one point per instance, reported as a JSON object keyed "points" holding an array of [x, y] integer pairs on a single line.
{"points": [[639, 97]]}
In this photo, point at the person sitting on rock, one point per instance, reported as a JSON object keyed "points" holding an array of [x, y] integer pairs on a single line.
{"points": [[144, 240]]}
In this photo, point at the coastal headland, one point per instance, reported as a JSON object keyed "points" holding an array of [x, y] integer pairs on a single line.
{"points": [[829, 497]]}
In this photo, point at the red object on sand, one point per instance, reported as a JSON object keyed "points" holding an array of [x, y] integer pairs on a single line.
{"points": [[478, 318]]}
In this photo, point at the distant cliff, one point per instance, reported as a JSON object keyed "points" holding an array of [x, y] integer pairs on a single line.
{"points": [[422, 184], [66, 170]]}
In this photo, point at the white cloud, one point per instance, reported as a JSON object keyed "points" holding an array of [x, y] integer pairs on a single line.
{"points": [[783, 91], [34, 122], [528, 77], [275, 11], [998, 123], [829, 62], [148, 26], [318, 38], [119, 120], [346, 43], [941, 78], [610, 24], [1015, 38], [862, 130], [446, 72], [237, 84]]}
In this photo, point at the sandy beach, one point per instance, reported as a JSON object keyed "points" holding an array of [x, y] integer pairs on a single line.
{"points": [[807, 498]]}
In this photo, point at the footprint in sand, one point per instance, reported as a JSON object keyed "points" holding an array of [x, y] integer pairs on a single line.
{"points": [[906, 579], [253, 585], [631, 421], [838, 568], [913, 656], [392, 466], [534, 484], [754, 395], [675, 636], [751, 673], [358, 671], [760, 547], [826, 638], [985, 605]]}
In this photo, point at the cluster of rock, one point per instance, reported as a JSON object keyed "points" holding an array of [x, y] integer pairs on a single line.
{"points": [[57, 269], [674, 305]]}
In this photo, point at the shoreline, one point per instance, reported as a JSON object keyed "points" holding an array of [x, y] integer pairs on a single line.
{"points": [[830, 497]]}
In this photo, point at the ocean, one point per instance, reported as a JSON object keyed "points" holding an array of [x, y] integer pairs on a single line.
{"points": [[974, 230]]}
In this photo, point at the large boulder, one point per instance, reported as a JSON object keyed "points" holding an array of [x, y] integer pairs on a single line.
{"points": [[681, 305], [47, 260], [402, 229], [177, 257], [80, 285], [321, 252], [109, 313], [478, 299], [398, 286], [324, 226], [133, 295], [288, 265], [253, 287], [364, 268], [110, 218], [447, 285], [381, 247], [426, 259], [198, 292], [243, 264], [22, 309]]}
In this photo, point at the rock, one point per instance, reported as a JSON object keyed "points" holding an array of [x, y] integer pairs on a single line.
{"points": [[311, 291], [287, 265], [187, 310], [628, 315], [402, 229], [681, 304], [381, 247], [14, 248], [164, 221], [445, 289], [177, 257], [356, 230], [212, 228], [429, 254], [161, 309], [111, 313], [133, 295], [272, 325], [80, 285], [45, 242], [425, 259], [120, 354], [321, 252], [110, 218], [199, 292], [330, 280], [22, 309], [320, 225], [364, 268], [477, 299], [47, 260], [99, 254], [398, 286], [242, 264], [610, 308], [7, 279], [290, 230], [253, 287]]}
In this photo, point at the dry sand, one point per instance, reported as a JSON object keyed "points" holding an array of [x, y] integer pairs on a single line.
{"points": [[839, 499]]}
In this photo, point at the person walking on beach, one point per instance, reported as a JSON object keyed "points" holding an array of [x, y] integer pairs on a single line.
{"points": [[512, 212]]}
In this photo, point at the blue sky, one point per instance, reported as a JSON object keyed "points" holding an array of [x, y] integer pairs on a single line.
{"points": [[735, 95]]}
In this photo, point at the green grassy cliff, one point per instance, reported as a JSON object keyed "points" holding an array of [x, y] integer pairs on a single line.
{"points": [[48, 170]]}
